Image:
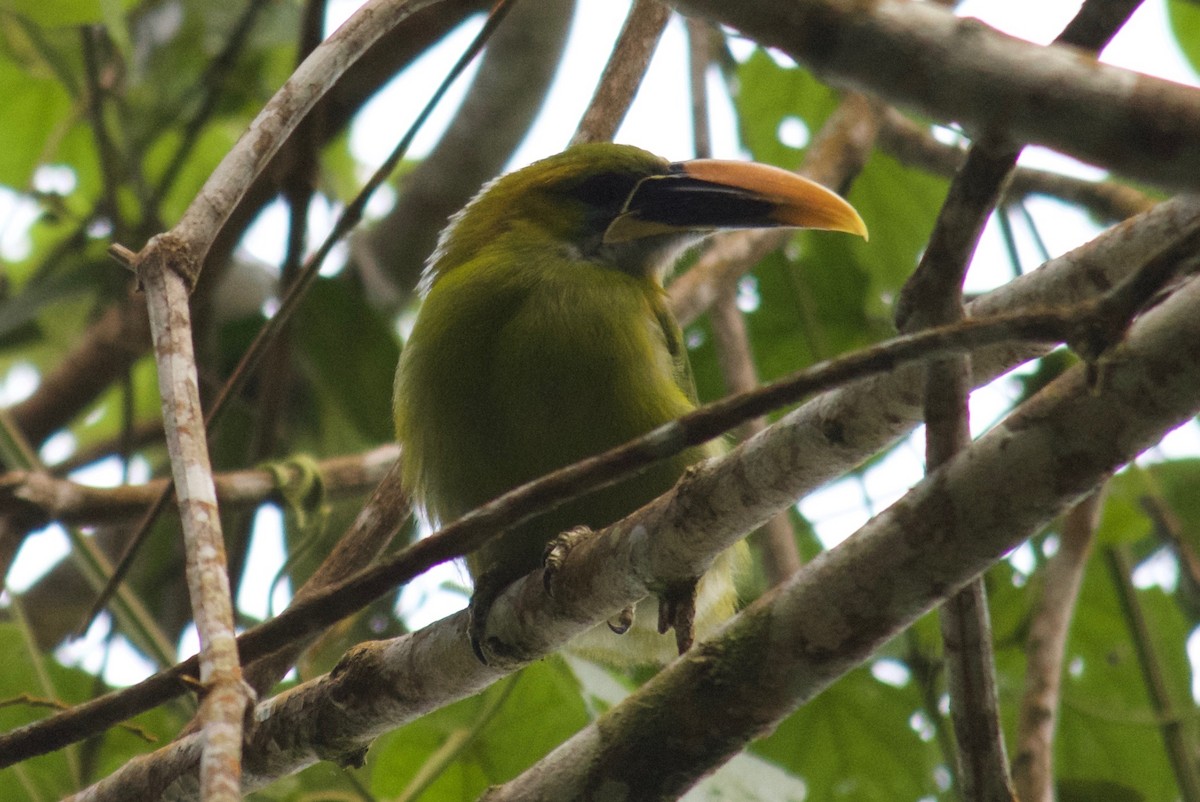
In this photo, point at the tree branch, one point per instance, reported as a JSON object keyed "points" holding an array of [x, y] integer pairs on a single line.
{"points": [[950, 68], [914, 146], [786, 647], [226, 697], [624, 71], [835, 432], [1033, 763], [49, 498]]}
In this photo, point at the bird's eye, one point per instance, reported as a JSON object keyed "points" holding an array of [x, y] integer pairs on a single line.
{"points": [[605, 192]]}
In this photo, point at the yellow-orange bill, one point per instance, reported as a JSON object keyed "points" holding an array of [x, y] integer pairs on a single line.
{"points": [[796, 201]]}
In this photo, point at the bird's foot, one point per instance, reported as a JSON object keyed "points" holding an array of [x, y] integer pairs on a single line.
{"points": [[556, 553], [677, 610], [488, 587], [622, 621]]}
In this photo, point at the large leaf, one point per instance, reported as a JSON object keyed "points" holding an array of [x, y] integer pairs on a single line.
{"points": [[526, 716], [855, 742], [43, 107], [348, 355], [1184, 18]]}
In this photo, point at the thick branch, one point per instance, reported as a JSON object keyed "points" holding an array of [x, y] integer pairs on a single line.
{"points": [[848, 602], [785, 648], [835, 431], [956, 69]]}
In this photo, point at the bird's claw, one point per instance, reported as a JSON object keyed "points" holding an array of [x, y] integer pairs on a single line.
{"points": [[488, 588], [677, 610], [556, 554], [622, 621]]}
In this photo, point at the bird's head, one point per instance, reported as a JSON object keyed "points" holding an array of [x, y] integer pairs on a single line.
{"points": [[631, 210]]}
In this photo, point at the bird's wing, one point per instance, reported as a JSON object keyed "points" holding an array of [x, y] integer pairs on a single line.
{"points": [[681, 366]]}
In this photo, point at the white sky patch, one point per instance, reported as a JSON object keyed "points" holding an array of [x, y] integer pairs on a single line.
{"points": [[189, 642], [891, 672], [434, 595], [58, 179], [391, 111], [266, 555], [40, 552], [17, 214], [1193, 652], [1160, 569], [19, 383]]}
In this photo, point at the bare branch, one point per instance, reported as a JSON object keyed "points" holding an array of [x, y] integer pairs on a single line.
{"points": [[787, 647], [223, 707], [951, 68], [1033, 763], [55, 499], [915, 146], [624, 72], [834, 432]]}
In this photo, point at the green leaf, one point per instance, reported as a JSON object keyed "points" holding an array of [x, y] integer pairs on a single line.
{"points": [[43, 107], [1184, 18], [1108, 730], [1123, 520], [55, 775], [348, 354], [766, 95], [521, 724], [62, 13], [854, 742]]}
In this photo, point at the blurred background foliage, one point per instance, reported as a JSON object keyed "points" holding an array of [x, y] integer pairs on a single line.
{"points": [[115, 114]]}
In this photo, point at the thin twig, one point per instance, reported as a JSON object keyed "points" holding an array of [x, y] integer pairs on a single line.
{"points": [[1046, 646], [226, 698], [213, 84], [56, 499], [915, 146], [624, 72]]}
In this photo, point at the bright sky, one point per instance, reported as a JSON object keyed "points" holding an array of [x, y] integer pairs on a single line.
{"points": [[658, 121]]}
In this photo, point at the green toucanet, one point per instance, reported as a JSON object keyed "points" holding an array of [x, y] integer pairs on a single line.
{"points": [[544, 338]]}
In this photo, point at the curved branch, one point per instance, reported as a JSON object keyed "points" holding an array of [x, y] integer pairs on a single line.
{"points": [[915, 146]]}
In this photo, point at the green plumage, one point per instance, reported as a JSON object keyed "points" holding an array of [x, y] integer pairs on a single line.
{"points": [[545, 338]]}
